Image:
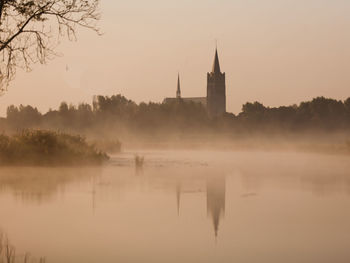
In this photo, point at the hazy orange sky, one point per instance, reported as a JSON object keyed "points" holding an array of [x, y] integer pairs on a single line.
{"points": [[278, 52]]}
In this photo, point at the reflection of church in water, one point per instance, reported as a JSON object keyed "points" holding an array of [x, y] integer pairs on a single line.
{"points": [[215, 193]]}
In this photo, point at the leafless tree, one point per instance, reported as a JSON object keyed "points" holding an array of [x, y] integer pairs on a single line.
{"points": [[31, 29]]}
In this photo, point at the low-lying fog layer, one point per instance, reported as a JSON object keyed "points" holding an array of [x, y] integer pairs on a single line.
{"points": [[183, 206]]}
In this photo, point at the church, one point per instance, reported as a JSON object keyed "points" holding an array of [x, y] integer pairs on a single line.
{"points": [[215, 101]]}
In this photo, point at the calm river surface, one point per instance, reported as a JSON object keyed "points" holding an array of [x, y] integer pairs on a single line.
{"points": [[184, 206]]}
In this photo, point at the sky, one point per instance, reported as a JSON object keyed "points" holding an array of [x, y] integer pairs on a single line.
{"points": [[277, 52]]}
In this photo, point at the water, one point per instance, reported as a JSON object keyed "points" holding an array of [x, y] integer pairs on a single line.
{"points": [[183, 206]]}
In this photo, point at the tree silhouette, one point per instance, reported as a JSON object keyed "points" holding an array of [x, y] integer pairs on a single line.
{"points": [[30, 30]]}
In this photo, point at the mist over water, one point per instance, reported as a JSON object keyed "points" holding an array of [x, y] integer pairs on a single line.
{"points": [[183, 206]]}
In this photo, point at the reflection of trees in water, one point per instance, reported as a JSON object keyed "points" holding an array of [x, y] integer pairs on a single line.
{"points": [[319, 178], [41, 184], [327, 184]]}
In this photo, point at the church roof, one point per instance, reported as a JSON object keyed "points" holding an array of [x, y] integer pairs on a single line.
{"points": [[201, 100], [216, 65]]}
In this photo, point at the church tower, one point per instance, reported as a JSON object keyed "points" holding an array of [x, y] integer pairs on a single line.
{"points": [[216, 90], [178, 91]]}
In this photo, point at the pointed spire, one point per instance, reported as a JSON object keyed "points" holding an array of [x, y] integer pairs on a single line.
{"points": [[178, 91], [216, 65]]}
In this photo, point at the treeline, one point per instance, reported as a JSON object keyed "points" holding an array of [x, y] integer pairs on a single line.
{"points": [[320, 114], [117, 115], [109, 116]]}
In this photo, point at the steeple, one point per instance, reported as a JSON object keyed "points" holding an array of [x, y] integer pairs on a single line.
{"points": [[216, 65], [178, 91], [216, 90]]}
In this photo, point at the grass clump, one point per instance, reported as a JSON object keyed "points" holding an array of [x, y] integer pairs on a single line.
{"points": [[8, 253], [40, 147]]}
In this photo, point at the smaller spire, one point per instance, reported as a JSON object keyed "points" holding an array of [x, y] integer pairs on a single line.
{"points": [[178, 91], [216, 65]]}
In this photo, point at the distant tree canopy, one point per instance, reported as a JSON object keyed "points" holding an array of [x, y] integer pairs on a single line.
{"points": [[320, 113], [28, 30], [116, 113], [26, 116]]}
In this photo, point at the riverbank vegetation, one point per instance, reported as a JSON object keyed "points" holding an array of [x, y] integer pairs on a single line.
{"points": [[48, 148], [8, 253], [108, 146]]}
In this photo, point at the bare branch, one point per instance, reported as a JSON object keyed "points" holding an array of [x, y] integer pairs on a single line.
{"points": [[30, 30]]}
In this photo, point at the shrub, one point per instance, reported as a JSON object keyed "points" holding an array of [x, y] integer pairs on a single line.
{"points": [[40, 147]]}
